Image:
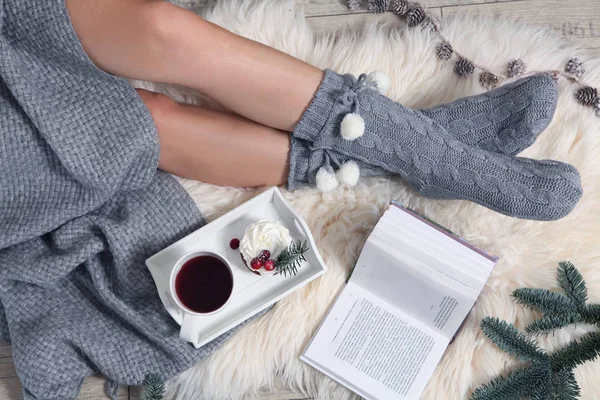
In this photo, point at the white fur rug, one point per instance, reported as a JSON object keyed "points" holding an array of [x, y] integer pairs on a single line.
{"points": [[265, 354]]}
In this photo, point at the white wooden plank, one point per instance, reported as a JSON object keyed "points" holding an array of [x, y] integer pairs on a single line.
{"points": [[338, 7], [578, 21], [333, 23]]}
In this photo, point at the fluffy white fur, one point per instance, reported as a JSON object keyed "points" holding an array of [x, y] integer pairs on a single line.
{"points": [[265, 353], [352, 126]]}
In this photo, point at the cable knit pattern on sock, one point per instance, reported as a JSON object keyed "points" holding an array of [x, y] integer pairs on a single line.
{"points": [[505, 120], [424, 153], [531, 101]]}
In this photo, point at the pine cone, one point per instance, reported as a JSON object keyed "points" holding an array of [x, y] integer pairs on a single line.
{"points": [[515, 68], [378, 6], [353, 4], [575, 67], [588, 96], [429, 25], [488, 80], [444, 51], [399, 7], [597, 107], [464, 67], [415, 15]]}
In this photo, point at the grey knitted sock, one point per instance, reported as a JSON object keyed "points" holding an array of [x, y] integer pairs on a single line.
{"points": [[522, 110], [505, 120], [349, 120]]}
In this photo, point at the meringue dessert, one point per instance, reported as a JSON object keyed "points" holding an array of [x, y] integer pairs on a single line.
{"points": [[261, 244]]}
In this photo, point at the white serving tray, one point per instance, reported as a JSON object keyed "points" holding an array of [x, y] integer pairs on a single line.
{"points": [[251, 293]]}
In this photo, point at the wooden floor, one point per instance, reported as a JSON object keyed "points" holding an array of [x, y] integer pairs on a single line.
{"points": [[577, 20]]}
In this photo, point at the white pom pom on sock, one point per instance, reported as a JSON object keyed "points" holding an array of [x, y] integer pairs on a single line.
{"points": [[326, 181], [381, 80], [352, 126], [348, 173]]}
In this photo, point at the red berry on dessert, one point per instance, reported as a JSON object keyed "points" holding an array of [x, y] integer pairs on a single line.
{"points": [[265, 255], [269, 265], [256, 264]]}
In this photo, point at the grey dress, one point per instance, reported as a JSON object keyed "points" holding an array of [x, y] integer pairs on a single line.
{"points": [[82, 205]]}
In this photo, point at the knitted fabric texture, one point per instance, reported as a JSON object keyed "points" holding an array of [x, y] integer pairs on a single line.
{"points": [[424, 152], [82, 207], [530, 101], [506, 120]]}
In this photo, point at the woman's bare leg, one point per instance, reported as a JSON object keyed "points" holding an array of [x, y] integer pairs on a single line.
{"points": [[216, 147], [157, 41]]}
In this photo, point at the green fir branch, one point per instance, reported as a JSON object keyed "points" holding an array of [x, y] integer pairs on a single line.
{"points": [[543, 387], [571, 281], [544, 301], [566, 386], [549, 323], [153, 388], [514, 386], [511, 340], [290, 259], [577, 352], [591, 314], [545, 377]]}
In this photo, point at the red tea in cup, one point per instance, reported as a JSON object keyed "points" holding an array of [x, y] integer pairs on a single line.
{"points": [[203, 284]]}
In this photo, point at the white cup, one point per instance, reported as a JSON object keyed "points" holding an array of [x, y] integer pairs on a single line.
{"points": [[189, 329]]}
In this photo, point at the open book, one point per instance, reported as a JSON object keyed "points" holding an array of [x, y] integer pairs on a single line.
{"points": [[412, 287]]}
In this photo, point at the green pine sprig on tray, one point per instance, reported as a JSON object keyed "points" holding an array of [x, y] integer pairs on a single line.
{"points": [[544, 376], [290, 259], [153, 388]]}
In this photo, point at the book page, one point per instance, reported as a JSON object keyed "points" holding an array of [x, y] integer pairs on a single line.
{"points": [[465, 250], [373, 348], [401, 229], [433, 299], [402, 239]]}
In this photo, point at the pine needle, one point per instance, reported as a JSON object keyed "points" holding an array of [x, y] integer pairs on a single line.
{"points": [[544, 301], [543, 389], [577, 352], [290, 259], [154, 388], [514, 386], [543, 376], [549, 323], [572, 283], [509, 339], [591, 314], [566, 386]]}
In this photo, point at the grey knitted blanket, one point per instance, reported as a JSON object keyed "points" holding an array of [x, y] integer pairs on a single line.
{"points": [[81, 207]]}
